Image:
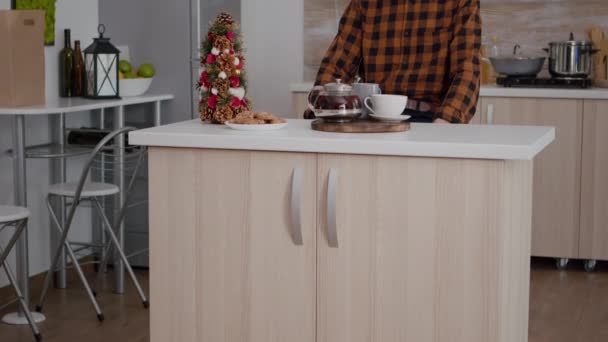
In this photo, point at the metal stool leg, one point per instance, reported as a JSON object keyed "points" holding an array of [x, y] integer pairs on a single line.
{"points": [[68, 249], [13, 281], [116, 243], [22, 303]]}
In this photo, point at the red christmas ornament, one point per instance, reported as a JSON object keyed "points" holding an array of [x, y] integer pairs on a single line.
{"points": [[232, 51], [210, 37], [210, 58], [212, 101], [230, 35], [204, 77], [235, 103], [235, 82]]}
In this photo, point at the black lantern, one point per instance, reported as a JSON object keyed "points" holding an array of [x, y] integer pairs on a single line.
{"points": [[101, 63]]}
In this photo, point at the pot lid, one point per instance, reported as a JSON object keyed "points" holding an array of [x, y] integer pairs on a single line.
{"points": [[573, 42], [338, 88], [519, 55]]}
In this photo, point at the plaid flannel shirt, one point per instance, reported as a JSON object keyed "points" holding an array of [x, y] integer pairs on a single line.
{"points": [[426, 49]]}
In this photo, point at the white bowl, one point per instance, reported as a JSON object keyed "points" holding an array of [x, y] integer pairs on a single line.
{"points": [[134, 86]]}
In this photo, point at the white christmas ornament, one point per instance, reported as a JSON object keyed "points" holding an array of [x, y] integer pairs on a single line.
{"points": [[222, 75], [215, 51], [214, 91], [227, 51], [237, 61], [238, 92]]}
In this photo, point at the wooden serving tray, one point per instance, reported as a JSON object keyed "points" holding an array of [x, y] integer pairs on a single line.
{"points": [[360, 126]]}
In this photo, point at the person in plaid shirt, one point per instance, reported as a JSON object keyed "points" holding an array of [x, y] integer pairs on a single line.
{"points": [[428, 50]]}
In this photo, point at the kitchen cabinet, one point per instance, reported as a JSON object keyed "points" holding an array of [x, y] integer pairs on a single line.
{"points": [[227, 264], [250, 246], [594, 197], [557, 178], [406, 249]]}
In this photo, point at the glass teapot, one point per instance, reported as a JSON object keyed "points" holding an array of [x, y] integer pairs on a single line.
{"points": [[335, 102]]}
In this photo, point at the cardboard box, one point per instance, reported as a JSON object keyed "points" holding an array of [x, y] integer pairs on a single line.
{"points": [[21, 58]]}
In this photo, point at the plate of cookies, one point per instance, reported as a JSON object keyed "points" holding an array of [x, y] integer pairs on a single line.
{"points": [[256, 121]]}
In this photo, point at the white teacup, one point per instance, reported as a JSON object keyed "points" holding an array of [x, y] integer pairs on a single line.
{"points": [[386, 105]]}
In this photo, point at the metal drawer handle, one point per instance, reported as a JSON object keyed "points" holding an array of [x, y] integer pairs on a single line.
{"points": [[296, 206], [490, 114], [332, 219]]}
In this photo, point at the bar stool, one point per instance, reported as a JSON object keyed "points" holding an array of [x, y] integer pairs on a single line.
{"points": [[16, 217], [91, 192]]}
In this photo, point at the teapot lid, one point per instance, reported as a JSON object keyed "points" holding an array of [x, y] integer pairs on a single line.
{"points": [[338, 88]]}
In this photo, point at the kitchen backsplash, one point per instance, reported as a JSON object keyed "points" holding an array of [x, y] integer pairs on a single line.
{"points": [[531, 23]]}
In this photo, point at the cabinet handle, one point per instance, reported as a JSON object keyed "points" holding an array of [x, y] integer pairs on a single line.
{"points": [[296, 206], [332, 219], [490, 114]]}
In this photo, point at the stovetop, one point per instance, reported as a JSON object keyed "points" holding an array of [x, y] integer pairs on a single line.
{"points": [[543, 82]]}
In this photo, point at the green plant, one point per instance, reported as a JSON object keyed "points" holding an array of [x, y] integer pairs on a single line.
{"points": [[49, 7]]}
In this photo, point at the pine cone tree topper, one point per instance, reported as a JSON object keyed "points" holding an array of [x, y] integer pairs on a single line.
{"points": [[224, 19]]}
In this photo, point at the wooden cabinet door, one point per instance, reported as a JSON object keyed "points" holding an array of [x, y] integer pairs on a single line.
{"points": [[225, 265], [478, 118], [420, 252], [594, 193], [557, 169]]}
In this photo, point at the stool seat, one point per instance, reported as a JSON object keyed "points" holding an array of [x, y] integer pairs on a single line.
{"points": [[89, 190], [11, 213]]}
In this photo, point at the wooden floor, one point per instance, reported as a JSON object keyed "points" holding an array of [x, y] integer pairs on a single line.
{"points": [[567, 306]]}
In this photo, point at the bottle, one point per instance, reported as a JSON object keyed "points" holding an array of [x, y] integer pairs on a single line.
{"points": [[78, 71], [66, 64], [492, 51]]}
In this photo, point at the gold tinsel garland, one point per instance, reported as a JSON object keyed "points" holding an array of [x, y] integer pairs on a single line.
{"points": [[222, 43], [222, 86], [225, 63], [223, 114]]}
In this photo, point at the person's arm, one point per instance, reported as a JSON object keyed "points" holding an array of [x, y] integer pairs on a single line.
{"points": [[461, 98], [343, 57]]}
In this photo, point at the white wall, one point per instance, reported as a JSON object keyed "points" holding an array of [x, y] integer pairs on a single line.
{"points": [[82, 17], [274, 42]]}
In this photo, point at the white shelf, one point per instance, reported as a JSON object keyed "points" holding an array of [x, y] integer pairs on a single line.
{"points": [[79, 104]]}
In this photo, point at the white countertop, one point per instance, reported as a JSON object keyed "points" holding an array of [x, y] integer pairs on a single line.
{"points": [[80, 104], [498, 91], [423, 140]]}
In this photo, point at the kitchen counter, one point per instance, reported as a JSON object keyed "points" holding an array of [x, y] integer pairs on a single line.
{"points": [[423, 140], [498, 91], [297, 235]]}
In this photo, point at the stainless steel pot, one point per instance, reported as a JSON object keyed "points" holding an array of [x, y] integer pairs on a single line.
{"points": [[571, 58], [517, 65]]}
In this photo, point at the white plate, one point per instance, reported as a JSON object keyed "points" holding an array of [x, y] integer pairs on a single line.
{"points": [[390, 118], [264, 127]]}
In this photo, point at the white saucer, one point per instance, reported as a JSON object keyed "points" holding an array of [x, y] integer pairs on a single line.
{"points": [[390, 118], [261, 127]]}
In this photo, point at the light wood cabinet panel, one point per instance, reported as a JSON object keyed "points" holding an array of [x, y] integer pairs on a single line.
{"points": [[223, 248], [594, 196], [557, 176], [478, 118], [300, 104], [428, 250]]}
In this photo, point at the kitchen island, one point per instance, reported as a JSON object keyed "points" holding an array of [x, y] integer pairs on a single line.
{"points": [[305, 236]]}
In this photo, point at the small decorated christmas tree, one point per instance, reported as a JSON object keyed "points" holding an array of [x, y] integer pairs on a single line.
{"points": [[222, 83]]}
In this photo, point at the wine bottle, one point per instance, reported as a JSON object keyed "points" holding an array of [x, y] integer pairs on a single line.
{"points": [[66, 63], [78, 71]]}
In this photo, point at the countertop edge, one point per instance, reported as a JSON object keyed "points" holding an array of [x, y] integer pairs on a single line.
{"points": [[430, 150], [497, 91], [94, 104]]}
